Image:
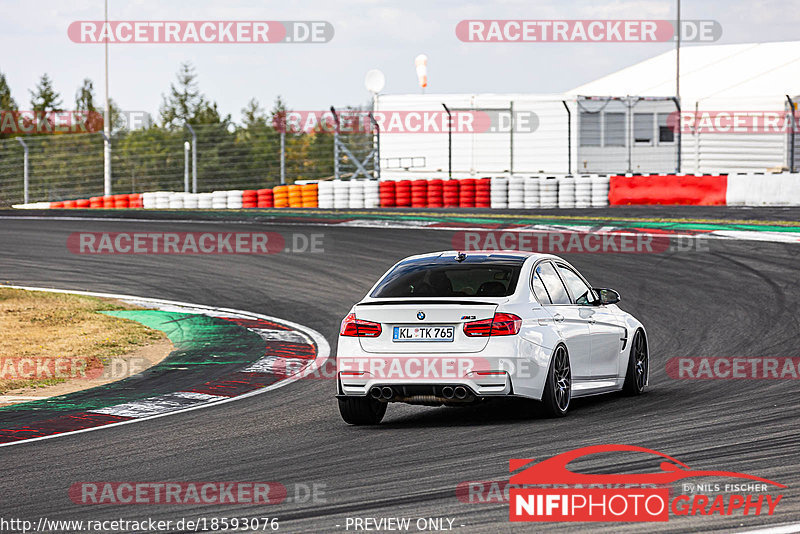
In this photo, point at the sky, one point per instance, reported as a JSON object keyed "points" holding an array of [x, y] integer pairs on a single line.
{"points": [[369, 34]]}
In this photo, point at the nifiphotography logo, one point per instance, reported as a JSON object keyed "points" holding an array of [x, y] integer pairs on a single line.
{"points": [[548, 491]]}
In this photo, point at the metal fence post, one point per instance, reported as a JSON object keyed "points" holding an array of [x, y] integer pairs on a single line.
{"points": [[106, 164], [377, 146], [511, 138], [335, 145], [194, 157], [24, 170], [283, 156], [449, 140], [791, 135], [678, 107], [569, 137], [186, 149]]}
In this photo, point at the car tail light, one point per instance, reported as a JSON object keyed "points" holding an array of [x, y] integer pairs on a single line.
{"points": [[359, 328], [502, 324]]}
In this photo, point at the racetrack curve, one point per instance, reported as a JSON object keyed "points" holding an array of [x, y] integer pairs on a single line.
{"points": [[737, 299]]}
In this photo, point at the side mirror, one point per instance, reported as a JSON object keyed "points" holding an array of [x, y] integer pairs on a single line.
{"points": [[607, 296]]}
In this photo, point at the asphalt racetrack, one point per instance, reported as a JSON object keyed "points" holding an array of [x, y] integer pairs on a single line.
{"points": [[738, 298]]}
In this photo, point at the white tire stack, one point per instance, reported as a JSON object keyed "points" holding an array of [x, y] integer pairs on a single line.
{"points": [[148, 200], [176, 200], [566, 192], [599, 191], [516, 192], [234, 199], [204, 200], [341, 194], [583, 191], [499, 193], [356, 198], [162, 199], [372, 198], [219, 200], [530, 191], [548, 192], [191, 200], [325, 194]]}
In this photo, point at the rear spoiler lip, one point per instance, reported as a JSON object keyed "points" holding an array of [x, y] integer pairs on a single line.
{"points": [[428, 302]]}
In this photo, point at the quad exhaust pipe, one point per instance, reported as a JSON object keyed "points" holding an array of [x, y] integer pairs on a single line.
{"points": [[447, 392], [381, 393], [460, 392]]}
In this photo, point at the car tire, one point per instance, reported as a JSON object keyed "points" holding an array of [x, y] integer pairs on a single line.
{"points": [[558, 385], [361, 410], [638, 365]]}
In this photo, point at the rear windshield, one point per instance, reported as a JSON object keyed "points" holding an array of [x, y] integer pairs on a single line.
{"points": [[433, 279]]}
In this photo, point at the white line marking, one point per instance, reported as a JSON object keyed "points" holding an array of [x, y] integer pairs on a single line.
{"points": [[159, 404], [323, 351], [777, 529]]}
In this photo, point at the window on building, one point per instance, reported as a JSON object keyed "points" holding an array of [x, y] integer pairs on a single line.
{"points": [[666, 134], [614, 129], [643, 128], [590, 129]]}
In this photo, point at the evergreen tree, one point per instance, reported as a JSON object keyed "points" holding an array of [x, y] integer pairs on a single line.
{"points": [[45, 98], [7, 103]]}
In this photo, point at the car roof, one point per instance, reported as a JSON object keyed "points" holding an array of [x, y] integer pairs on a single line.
{"points": [[486, 254]]}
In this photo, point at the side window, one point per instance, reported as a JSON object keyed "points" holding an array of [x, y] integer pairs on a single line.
{"points": [[538, 286], [556, 290], [579, 290]]}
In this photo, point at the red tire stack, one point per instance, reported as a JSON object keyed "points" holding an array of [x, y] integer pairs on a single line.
{"points": [[450, 192], [96, 202], [265, 198], [83, 203], [435, 193], [387, 193], [70, 204], [108, 201], [402, 193], [120, 201], [249, 198], [135, 200], [419, 194], [466, 193], [56, 205], [483, 193]]}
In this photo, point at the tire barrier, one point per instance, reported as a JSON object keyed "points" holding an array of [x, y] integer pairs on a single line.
{"points": [[387, 193], [530, 193], [498, 196], [466, 193], [419, 194], [706, 190], [402, 194], [516, 192], [264, 198], [499, 192], [450, 193], [249, 198]]}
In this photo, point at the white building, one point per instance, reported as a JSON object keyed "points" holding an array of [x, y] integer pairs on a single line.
{"points": [[620, 122]]}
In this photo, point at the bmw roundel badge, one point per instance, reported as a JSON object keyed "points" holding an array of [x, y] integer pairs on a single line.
{"points": [[420, 315]]}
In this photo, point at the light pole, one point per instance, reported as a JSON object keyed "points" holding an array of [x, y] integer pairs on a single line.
{"points": [[678, 56], [374, 82], [107, 126]]}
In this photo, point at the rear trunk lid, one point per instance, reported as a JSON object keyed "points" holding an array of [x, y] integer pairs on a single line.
{"points": [[400, 318]]}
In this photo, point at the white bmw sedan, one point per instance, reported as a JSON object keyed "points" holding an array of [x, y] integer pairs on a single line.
{"points": [[454, 328]]}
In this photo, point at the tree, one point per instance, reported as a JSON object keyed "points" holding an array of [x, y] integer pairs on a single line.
{"points": [[253, 114], [45, 98], [185, 102], [84, 97], [7, 103]]}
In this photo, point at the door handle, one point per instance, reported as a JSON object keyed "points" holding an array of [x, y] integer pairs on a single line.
{"points": [[558, 318], [592, 321]]}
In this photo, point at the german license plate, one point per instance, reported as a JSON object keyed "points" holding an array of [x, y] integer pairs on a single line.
{"points": [[423, 333]]}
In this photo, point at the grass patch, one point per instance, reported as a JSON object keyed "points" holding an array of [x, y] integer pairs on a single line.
{"points": [[40, 326]]}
